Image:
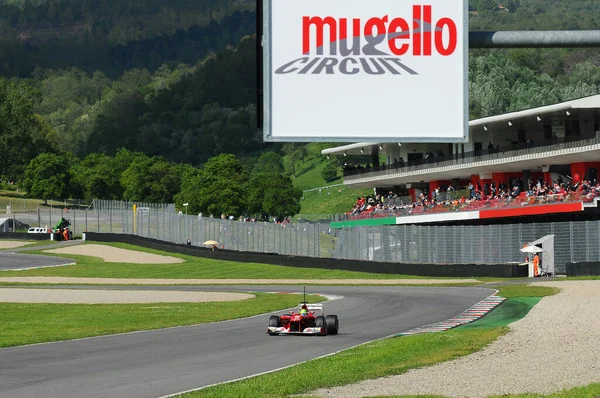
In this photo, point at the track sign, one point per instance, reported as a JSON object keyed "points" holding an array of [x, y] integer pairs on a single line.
{"points": [[356, 70]]}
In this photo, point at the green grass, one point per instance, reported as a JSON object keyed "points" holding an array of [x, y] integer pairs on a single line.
{"points": [[327, 244], [308, 172], [330, 201], [512, 291], [377, 359], [308, 176], [193, 268], [20, 203], [385, 357], [37, 323]]}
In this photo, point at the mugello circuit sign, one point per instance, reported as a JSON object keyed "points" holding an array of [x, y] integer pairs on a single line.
{"points": [[355, 70]]}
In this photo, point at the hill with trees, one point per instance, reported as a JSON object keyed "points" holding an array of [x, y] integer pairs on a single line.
{"points": [[115, 36]]}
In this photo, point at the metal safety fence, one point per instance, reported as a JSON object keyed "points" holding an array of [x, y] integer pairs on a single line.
{"points": [[490, 244], [486, 244], [288, 238]]}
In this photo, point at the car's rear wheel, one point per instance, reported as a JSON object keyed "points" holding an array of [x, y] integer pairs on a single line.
{"points": [[333, 324], [320, 322], [274, 321]]}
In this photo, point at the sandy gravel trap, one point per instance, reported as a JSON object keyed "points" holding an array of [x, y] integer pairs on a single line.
{"points": [[13, 244], [556, 346], [116, 255], [72, 296]]}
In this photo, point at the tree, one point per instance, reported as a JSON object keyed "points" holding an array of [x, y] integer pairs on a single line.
{"points": [[330, 172], [151, 180], [268, 162], [282, 199], [486, 5], [296, 152], [272, 194], [218, 188], [47, 176], [96, 177], [22, 135], [117, 125]]}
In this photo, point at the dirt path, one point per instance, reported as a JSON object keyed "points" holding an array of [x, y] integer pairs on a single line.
{"points": [[68, 296]]}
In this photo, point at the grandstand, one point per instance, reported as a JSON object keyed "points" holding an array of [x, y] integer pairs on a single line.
{"points": [[539, 161]]}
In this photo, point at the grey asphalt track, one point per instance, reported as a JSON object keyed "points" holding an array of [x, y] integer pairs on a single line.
{"points": [[162, 362], [12, 261]]}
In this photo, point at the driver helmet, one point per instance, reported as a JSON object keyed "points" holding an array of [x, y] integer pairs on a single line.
{"points": [[304, 310]]}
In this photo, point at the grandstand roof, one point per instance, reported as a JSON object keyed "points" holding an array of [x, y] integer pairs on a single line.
{"points": [[591, 102]]}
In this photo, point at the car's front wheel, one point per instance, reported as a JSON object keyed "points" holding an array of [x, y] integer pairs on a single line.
{"points": [[333, 324], [274, 321], [320, 322]]}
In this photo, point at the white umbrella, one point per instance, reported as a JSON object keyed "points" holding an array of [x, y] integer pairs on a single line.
{"points": [[531, 249]]}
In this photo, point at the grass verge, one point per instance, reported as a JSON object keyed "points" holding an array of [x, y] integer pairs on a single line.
{"points": [[513, 291], [192, 268], [22, 324], [385, 357], [329, 201]]}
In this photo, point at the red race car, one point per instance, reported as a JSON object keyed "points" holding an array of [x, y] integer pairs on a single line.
{"points": [[304, 322]]}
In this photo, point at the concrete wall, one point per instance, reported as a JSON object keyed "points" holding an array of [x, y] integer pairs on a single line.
{"points": [[583, 269], [23, 236]]}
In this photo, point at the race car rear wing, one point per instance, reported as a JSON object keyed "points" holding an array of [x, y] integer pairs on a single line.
{"points": [[311, 307]]}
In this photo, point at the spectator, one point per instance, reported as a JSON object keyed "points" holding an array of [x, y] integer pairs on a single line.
{"points": [[529, 142], [449, 192]]}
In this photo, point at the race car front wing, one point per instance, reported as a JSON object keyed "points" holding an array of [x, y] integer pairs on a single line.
{"points": [[307, 331]]}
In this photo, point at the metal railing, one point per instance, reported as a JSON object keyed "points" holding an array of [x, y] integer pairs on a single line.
{"points": [[513, 150], [104, 204]]}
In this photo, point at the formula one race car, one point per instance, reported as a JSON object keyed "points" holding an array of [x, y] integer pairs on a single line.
{"points": [[304, 322]]}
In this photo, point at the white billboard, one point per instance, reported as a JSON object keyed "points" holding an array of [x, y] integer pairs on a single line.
{"points": [[365, 71]]}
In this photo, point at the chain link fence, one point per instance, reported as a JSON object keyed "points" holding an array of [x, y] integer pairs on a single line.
{"points": [[491, 244]]}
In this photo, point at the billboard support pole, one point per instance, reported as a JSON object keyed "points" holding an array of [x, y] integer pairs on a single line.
{"points": [[259, 64], [535, 39]]}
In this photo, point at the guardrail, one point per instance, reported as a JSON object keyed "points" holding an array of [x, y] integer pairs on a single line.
{"points": [[520, 149]]}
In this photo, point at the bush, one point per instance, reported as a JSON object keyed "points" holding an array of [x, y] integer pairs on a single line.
{"points": [[330, 172]]}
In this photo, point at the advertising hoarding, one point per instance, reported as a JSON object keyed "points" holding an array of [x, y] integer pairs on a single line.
{"points": [[360, 71]]}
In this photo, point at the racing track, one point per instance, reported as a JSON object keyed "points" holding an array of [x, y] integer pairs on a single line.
{"points": [[168, 361], [12, 261]]}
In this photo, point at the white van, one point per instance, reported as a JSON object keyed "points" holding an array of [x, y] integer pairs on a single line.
{"points": [[37, 230]]}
